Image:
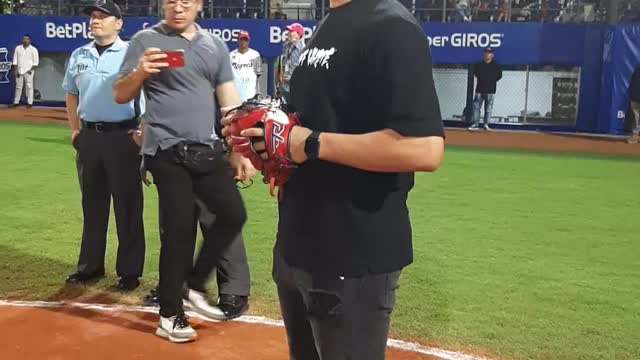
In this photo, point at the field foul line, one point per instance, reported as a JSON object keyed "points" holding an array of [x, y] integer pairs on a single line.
{"points": [[398, 344]]}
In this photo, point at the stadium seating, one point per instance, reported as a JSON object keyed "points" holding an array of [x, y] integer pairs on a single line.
{"points": [[574, 11]]}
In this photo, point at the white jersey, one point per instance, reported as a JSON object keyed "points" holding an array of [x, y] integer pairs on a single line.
{"points": [[247, 68], [25, 58]]}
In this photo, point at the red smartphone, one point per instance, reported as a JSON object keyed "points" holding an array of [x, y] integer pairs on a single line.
{"points": [[175, 58]]}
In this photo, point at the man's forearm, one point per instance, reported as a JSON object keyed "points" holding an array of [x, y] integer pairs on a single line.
{"points": [[227, 96], [382, 151], [72, 112], [128, 87]]}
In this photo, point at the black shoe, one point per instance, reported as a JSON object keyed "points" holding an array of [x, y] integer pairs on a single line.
{"points": [[13, 105], [233, 306], [84, 278], [152, 299], [127, 283], [29, 106]]}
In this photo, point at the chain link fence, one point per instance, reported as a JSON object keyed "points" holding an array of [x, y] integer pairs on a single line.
{"points": [[451, 87], [524, 95]]}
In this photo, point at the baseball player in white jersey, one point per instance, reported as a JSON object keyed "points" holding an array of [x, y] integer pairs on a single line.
{"points": [[247, 67]]}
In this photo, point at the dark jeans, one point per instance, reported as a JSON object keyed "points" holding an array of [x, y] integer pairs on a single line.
{"points": [[108, 166], [232, 271], [178, 185], [488, 107], [333, 318]]}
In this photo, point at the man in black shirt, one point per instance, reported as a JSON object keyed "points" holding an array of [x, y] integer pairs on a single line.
{"points": [[488, 73], [370, 117], [634, 98]]}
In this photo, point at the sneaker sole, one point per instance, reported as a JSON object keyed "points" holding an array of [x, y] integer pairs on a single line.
{"points": [[166, 335], [220, 317]]}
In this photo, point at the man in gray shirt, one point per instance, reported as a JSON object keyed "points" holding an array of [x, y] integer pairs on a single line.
{"points": [[183, 153], [291, 51]]}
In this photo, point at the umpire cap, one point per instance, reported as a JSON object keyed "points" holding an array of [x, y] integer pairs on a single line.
{"points": [[106, 7]]}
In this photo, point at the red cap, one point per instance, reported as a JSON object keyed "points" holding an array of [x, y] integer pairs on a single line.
{"points": [[243, 34], [296, 27]]}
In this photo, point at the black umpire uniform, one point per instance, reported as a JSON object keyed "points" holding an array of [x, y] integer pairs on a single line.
{"points": [[108, 160]]}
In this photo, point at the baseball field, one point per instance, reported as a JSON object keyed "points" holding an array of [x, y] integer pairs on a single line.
{"points": [[519, 253]]}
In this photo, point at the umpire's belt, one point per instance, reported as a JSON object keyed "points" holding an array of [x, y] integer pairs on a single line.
{"points": [[103, 126]]}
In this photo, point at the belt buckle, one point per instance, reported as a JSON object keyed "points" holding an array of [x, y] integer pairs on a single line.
{"points": [[99, 127]]}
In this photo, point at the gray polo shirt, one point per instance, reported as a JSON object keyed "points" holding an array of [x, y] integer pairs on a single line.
{"points": [[180, 102]]}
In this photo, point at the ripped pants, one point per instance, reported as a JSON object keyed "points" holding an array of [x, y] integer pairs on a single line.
{"points": [[334, 318]]}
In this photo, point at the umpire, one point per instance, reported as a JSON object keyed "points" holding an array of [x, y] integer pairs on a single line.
{"points": [[107, 157]]}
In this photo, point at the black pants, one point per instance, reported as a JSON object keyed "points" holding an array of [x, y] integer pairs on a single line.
{"points": [[232, 270], [108, 166], [178, 185], [333, 318]]}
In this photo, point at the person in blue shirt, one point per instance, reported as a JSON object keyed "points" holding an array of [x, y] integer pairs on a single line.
{"points": [[103, 133]]}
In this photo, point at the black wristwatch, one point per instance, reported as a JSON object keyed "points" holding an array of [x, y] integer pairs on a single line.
{"points": [[312, 145]]}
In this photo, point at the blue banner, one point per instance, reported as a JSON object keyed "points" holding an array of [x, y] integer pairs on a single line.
{"points": [[621, 57], [451, 43], [455, 43]]}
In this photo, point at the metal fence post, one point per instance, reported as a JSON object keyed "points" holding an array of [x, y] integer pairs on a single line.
{"points": [[612, 11], [526, 96], [59, 8], [444, 11]]}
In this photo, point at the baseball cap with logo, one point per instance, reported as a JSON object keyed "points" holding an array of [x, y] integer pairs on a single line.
{"points": [[296, 27], [243, 34], [106, 7]]}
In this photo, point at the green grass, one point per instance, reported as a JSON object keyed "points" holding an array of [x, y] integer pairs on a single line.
{"points": [[518, 255]]}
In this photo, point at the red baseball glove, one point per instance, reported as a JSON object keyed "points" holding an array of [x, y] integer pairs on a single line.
{"points": [[275, 161]]}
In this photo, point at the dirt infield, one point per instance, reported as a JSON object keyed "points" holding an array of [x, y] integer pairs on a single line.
{"points": [[69, 333], [496, 139], [580, 143], [35, 114]]}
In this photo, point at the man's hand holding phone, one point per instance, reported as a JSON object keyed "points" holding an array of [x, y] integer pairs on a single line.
{"points": [[175, 58], [154, 60]]}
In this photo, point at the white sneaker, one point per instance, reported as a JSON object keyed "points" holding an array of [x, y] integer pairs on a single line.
{"points": [[474, 127], [176, 329], [199, 302], [486, 127]]}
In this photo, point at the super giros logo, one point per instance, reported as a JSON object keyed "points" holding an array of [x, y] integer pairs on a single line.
{"points": [[5, 66]]}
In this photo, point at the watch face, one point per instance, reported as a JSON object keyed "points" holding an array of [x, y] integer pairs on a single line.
{"points": [[311, 146]]}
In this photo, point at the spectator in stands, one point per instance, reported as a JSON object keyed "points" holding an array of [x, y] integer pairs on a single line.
{"points": [[251, 9], [487, 73], [247, 67], [634, 98], [25, 62], [463, 11], [226, 8], [291, 51]]}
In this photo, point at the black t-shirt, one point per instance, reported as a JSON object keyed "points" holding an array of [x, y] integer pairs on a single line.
{"points": [[366, 68], [488, 75]]}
